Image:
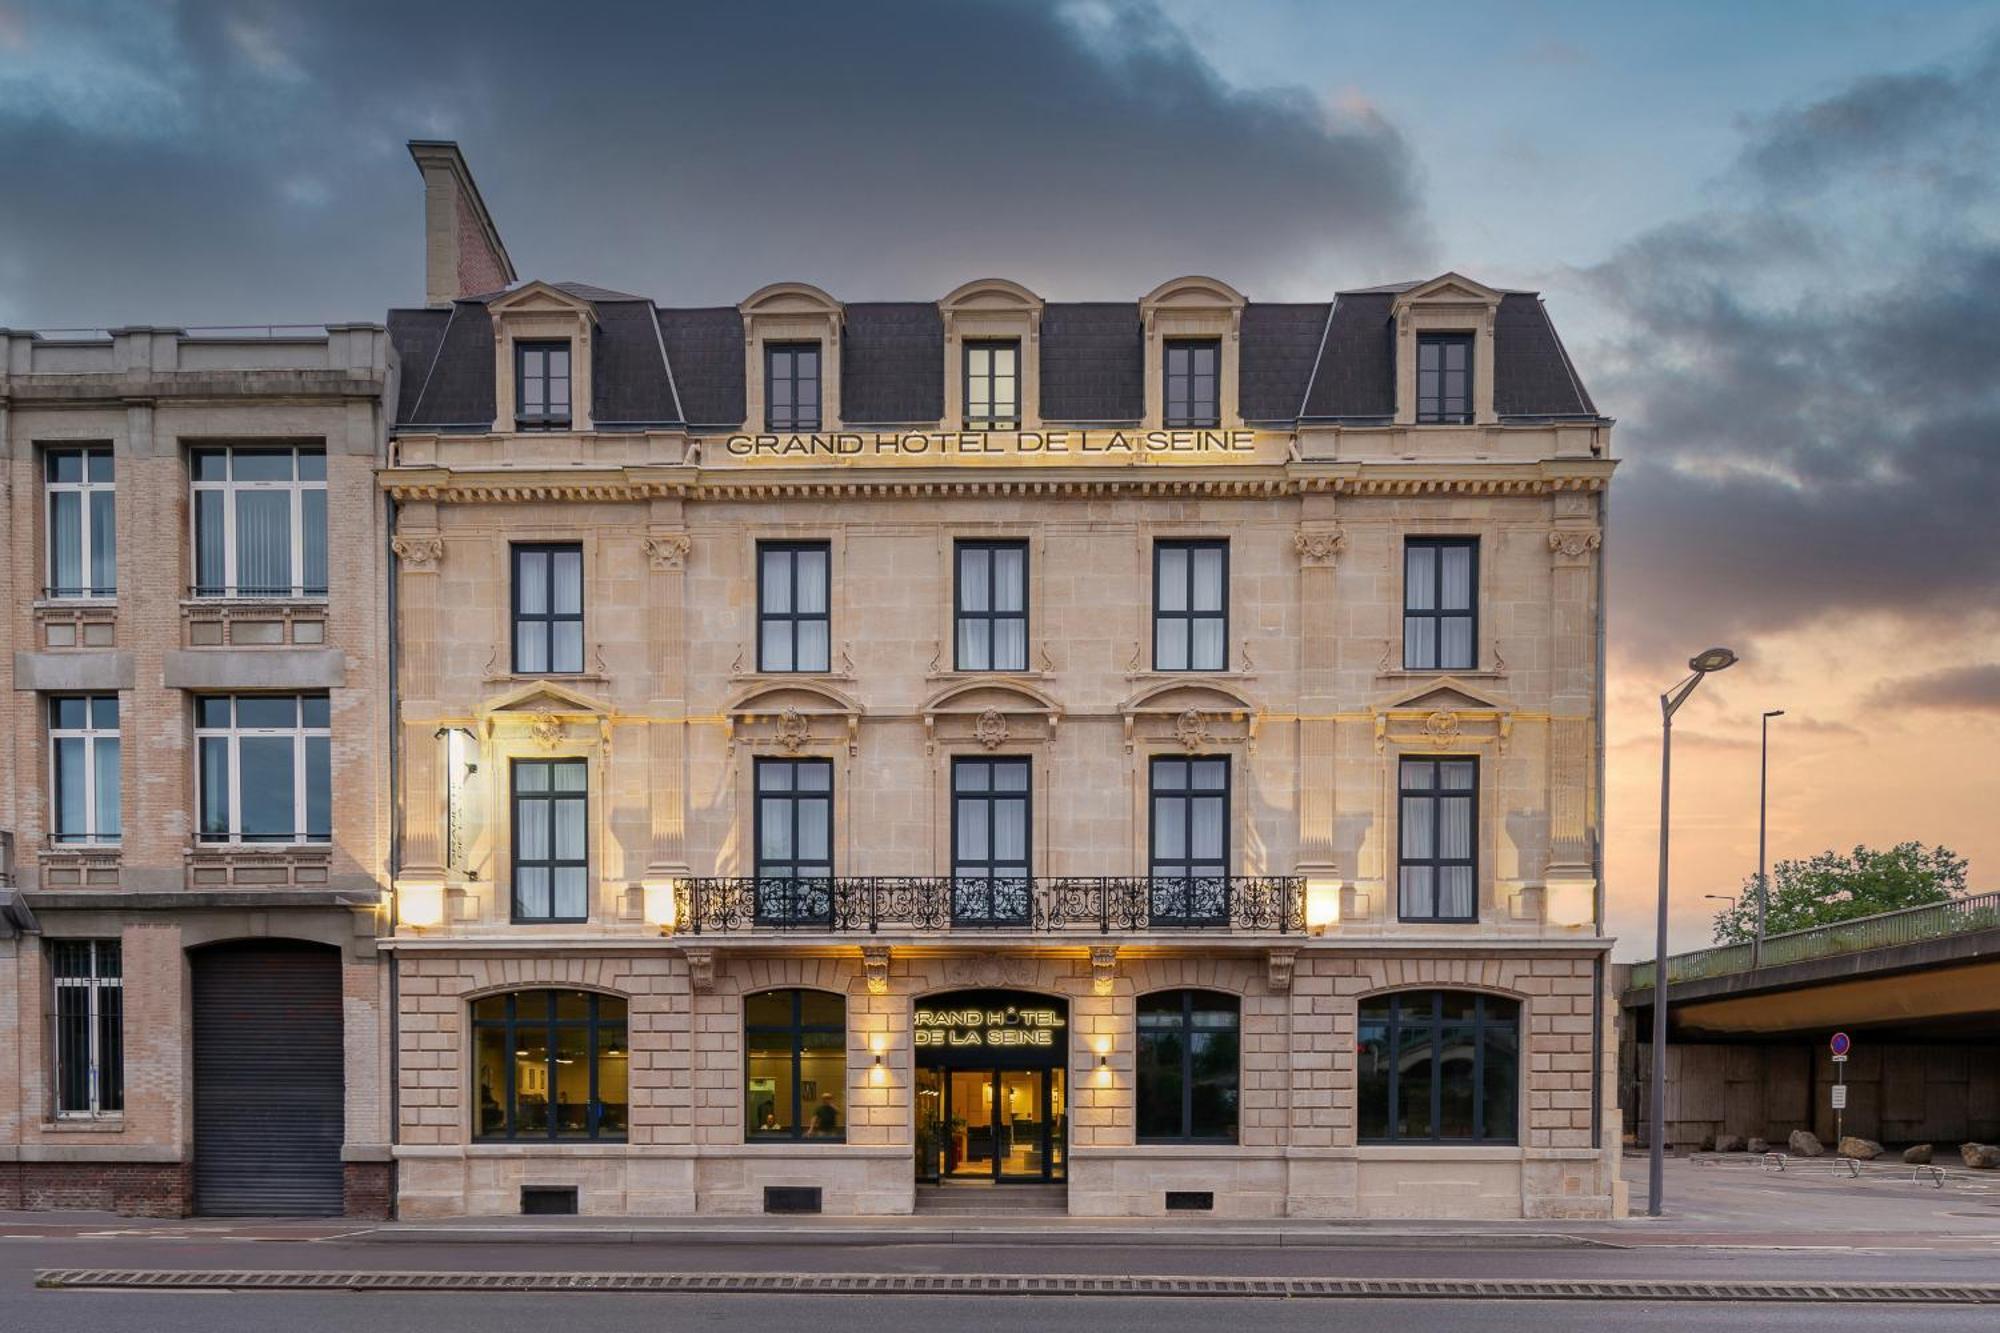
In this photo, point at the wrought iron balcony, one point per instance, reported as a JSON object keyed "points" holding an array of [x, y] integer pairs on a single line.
{"points": [[1273, 904]]}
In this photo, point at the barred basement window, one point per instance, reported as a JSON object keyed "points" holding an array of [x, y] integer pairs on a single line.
{"points": [[84, 768], [88, 980], [83, 523], [541, 385], [794, 1065], [1438, 1067], [259, 522], [264, 767], [550, 1064]]}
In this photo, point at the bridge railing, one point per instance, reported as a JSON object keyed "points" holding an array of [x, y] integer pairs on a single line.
{"points": [[1884, 930]]}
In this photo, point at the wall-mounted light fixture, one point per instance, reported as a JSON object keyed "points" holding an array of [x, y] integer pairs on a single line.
{"points": [[420, 904], [662, 903], [1322, 905]]}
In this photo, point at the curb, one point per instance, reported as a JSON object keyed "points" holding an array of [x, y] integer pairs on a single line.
{"points": [[987, 1236]]}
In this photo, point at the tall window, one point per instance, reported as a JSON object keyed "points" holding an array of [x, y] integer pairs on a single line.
{"points": [[548, 609], [84, 758], [1444, 378], [1440, 615], [794, 1065], [88, 978], [1439, 815], [550, 1064], [1438, 1067], [1190, 605], [992, 386], [992, 609], [989, 841], [1190, 841], [794, 841], [259, 522], [266, 767], [1193, 372], [1187, 1067], [793, 629], [551, 840], [791, 386], [541, 386], [83, 523]]}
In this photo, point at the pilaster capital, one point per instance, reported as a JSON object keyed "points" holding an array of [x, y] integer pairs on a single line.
{"points": [[1575, 545], [1319, 546], [420, 552], [668, 550]]}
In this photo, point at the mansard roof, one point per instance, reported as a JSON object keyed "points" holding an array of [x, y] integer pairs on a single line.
{"points": [[665, 366]]}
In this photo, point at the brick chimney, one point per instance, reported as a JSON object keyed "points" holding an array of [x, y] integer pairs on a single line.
{"points": [[463, 254]]}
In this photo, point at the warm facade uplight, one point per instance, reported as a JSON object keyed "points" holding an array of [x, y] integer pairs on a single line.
{"points": [[1322, 905], [662, 904], [420, 905]]}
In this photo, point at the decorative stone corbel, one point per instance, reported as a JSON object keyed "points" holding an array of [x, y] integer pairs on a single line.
{"points": [[1280, 963], [1575, 543], [875, 967], [1103, 968], [701, 969], [421, 553]]}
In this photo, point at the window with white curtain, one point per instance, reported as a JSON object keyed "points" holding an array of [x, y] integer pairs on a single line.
{"points": [[1190, 605], [793, 626], [259, 521], [794, 835], [992, 611], [1438, 810], [264, 767], [1440, 608], [83, 523], [1190, 839], [84, 767], [992, 385], [548, 609], [989, 842], [551, 840]]}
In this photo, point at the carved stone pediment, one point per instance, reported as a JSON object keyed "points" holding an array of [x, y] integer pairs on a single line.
{"points": [[546, 712], [795, 717], [1195, 715], [1444, 714], [992, 710]]}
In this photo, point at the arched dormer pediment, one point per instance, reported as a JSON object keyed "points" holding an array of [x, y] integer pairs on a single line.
{"points": [[1190, 292], [992, 710], [545, 711], [1450, 303], [990, 294], [791, 312], [793, 716], [1443, 713], [993, 310], [789, 298], [1196, 715]]}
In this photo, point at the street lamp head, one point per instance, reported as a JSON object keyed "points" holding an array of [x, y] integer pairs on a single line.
{"points": [[1712, 659], [1774, 712]]}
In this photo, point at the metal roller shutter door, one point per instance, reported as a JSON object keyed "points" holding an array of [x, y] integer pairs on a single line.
{"points": [[268, 1080]]}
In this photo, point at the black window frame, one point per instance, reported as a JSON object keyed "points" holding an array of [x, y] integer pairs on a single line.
{"points": [[92, 971], [1191, 419], [1439, 416], [1389, 1028], [1435, 794], [794, 1032], [511, 1023], [991, 615], [1189, 899], [783, 896], [548, 797], [994, 418], [549, 617], [798, 421], [545, 419], [794, 617], [1187, 613], [1437, 613], [1190, 999], [984, 880]]}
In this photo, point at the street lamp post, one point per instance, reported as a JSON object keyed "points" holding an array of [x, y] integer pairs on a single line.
{"points": [[1701, 664], [1763, 793]]}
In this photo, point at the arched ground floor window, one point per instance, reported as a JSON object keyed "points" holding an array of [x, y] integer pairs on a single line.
{"points": [[1189, 1054], [1438, 1067], [550, 1064], [794, 1065]]}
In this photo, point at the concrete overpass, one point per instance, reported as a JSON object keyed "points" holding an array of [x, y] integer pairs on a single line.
{"points": [[1918, 991]]}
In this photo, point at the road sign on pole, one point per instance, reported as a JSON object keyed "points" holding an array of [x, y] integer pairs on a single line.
{"points": [[1841, 1045]]}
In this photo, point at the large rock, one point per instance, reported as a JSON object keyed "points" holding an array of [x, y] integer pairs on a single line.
{"points": [[1804, 1143], [1920, 1155], [1866, 1150], [1728, 1143], [1979, 1156], [1757, 1145]]}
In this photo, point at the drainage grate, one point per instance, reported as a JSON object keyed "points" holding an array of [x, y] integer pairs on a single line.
{"points": [[1003, 1284]]}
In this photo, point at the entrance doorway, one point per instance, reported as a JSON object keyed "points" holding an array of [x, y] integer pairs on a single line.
{"points": [[1002, 1124], [992, 1100]]}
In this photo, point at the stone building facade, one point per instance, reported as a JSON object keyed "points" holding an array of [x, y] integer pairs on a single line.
{"points": [[1148, 749], [193, 786]]}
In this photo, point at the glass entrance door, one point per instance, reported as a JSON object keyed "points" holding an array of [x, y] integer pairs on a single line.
{"points": [[1005, 1124]]}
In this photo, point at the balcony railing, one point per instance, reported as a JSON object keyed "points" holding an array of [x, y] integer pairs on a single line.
{"points": [[1273, 904], [1884, 930]]}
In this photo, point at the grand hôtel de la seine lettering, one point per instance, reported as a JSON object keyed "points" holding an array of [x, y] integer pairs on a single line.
{"points": [[557, 749]]}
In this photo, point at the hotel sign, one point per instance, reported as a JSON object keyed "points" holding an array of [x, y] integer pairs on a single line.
{"points": [[1002, 1026], [1010, 446]]}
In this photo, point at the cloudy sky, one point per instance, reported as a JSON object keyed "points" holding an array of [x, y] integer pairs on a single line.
{"points": [[1770, 233]]}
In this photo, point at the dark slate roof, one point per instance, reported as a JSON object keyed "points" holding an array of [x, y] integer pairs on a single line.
{"points": [[1092, 367], [892, 363], [454, 386], [1532, 374], [415, 335], [1356, 376], [705, 349], [1279, 347], [628, 380]]}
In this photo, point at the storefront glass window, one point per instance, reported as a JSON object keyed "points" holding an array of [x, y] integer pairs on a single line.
{"points": [[795, 1065], [1437, 1067], [550, 1064], [1189, 1042]]}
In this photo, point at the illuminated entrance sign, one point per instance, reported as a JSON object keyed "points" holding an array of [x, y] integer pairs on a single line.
{"points": [[978, 1026], [1046, 446]]}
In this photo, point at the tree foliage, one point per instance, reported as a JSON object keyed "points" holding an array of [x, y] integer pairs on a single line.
{"points": [[1832, 887]]}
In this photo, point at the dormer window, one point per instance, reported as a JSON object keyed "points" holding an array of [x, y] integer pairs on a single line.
{"points": [[541, 386], [1193, 383], [1444, 379], [993, 385], [791, 386]]}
